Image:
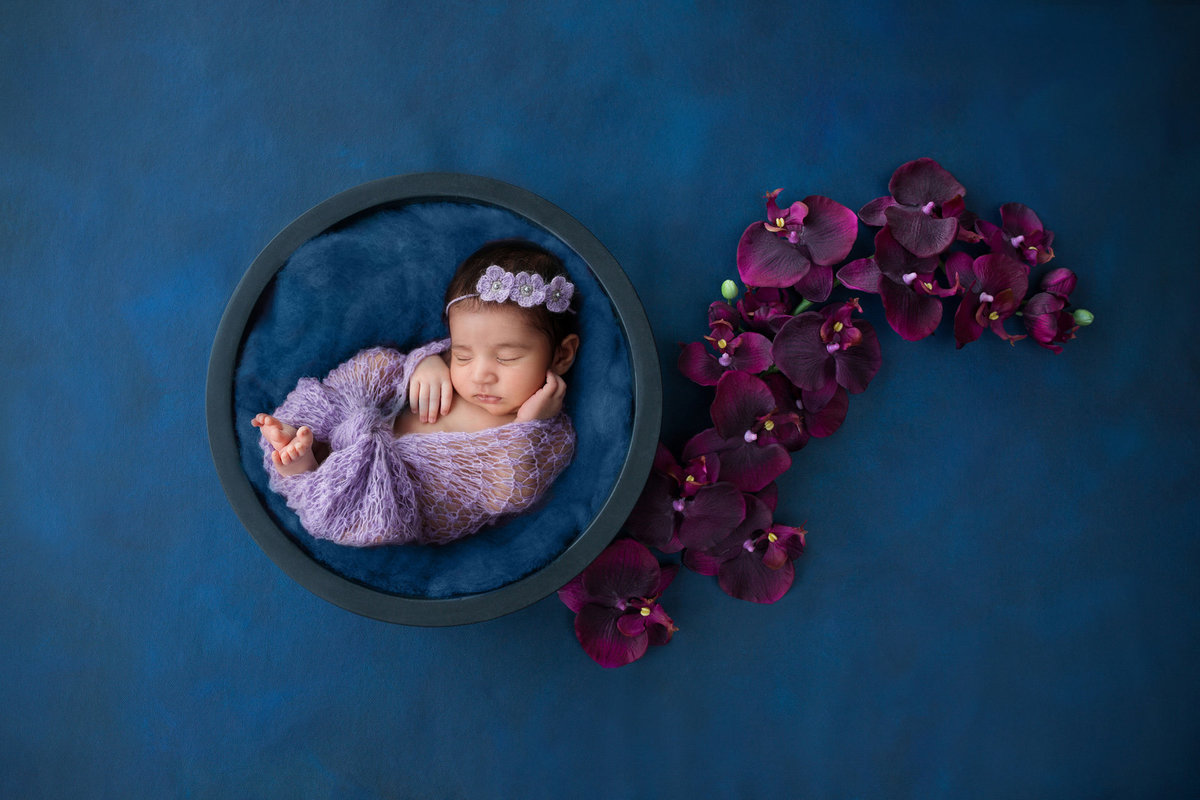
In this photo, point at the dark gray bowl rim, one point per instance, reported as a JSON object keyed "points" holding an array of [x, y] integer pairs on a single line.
{"points": [[368, 601]]}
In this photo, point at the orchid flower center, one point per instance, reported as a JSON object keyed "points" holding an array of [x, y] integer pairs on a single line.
{"points": [[928, 208], [993, 316], [722, 344], [769, 425], [928, 286], [837, 327], [645, 612], [690, 479], [780, 222], [772, 538]]}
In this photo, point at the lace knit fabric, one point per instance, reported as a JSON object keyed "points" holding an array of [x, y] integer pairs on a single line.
{"points": [[375, 488]]}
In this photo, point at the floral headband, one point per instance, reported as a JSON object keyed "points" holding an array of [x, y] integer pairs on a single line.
{"points": [[526, 290]]}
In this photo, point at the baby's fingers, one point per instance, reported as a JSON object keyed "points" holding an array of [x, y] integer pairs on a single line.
{"points": [[447, 397]]}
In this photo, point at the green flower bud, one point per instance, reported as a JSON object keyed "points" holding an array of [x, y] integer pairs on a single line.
{"points": [[729, 290], [1083, 317]]}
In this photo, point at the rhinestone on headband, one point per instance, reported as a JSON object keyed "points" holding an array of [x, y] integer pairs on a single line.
{"points": [[527, 290]]}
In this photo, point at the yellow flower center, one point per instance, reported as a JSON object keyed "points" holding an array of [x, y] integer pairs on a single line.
{"points": [[837, 327], [779, 222], [645, 612], [691, 478], [769, 425], [772, 538], [928, 286], [722, 344], [993, 316]]}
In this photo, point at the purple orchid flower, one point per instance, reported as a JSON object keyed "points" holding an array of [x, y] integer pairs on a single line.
{"points": [[797, 247], [1020, 235], [906, 283], [615, 600], [817, 348], [1048, 324], [993, 287], [685, 506], [755, 561], [766, 309], [817, 415], [742, 410], [923, 210], [747, 351]]}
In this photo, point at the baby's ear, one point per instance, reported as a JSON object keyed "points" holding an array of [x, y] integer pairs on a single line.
{"points": [[565, 356]]}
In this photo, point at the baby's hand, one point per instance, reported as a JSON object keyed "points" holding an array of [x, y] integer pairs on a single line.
{"points": [[546, 402], [430, 392]]}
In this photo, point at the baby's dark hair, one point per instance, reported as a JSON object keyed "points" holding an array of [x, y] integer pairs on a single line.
{"points": [[517, 255]]}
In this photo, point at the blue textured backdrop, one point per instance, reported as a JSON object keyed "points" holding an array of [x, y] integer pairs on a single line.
{"points": [[1000, 596]]}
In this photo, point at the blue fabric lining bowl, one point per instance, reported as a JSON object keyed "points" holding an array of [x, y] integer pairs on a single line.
{"points": [[369, 267]]}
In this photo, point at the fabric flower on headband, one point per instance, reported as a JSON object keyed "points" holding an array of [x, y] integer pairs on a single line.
{"points": [[559, 294], [496, 284], [528, 290]]}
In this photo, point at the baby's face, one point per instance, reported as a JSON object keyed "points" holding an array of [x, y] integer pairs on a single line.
{"points": [[497, 359]]}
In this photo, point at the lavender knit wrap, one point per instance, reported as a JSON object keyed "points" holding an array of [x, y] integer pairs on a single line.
{"points": [[375, 488]]}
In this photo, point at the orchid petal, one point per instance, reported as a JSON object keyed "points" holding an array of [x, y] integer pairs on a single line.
{"points": [[829, 230], [751, 353], [667, 574], [1018, 218], [998, 272], [702, 561], [911, 314], [597, 631], [857, 365], [828, 419], [573, 594], [653, 519], [746, 577], [919, 233], [625, 569], [698, 365], [741, 398], [631, 624], [966, 329], [751, 466], [873, 212], [659, 626], [923, 180], [960, 267], [705, 442], [799, 353], [764, 259], [715, 510], [861, 275], [816, 284], [895, 261], [1059, 282]]}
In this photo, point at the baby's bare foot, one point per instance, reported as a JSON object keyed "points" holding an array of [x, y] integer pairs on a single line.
{"points": [[293, 446], [279, 434]]}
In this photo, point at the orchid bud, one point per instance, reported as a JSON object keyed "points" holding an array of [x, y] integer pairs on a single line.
{"points": [[729, 290], [1083, 317]]}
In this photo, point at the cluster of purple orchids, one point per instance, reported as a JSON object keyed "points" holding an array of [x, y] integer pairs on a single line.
{"points": [[783, 369]]}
